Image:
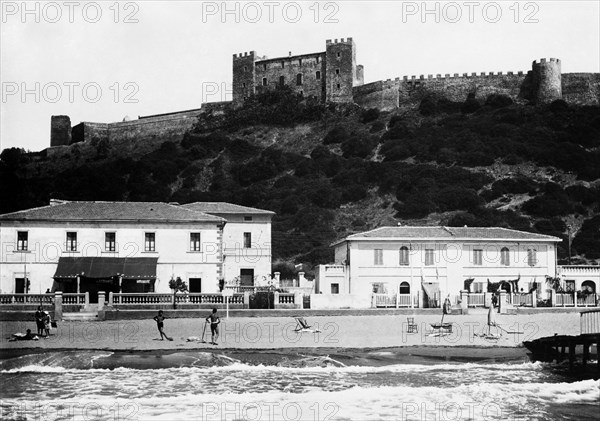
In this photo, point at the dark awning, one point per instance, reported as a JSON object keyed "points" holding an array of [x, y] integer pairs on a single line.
{"points": [[107, 267]]}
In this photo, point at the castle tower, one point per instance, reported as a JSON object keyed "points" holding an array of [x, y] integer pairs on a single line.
{"points": [[243, 76], [60, 130], [547, 81], [341, 72]]}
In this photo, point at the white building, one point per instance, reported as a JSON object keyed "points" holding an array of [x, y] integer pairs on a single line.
{"points": [[109, 246], [432, 262], [246, 241]]}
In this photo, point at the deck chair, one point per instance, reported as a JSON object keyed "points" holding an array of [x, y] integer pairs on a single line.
{"points": [[303, 326], [412, 326], [440, 329]]}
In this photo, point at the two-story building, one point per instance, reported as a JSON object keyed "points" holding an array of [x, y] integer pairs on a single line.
{"points": [[246, 240], [434, 262], [109, 246]]}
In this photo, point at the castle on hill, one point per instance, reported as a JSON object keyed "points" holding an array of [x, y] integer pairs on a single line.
{"points": [[332, 76]]}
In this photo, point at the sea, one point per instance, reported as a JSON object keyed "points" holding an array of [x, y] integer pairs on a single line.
{"points": [[375, 384]]}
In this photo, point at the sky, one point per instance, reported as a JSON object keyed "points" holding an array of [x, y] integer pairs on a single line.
{"points": [[102, 61]]}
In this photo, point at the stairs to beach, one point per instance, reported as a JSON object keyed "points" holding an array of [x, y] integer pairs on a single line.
{"points": [[82, 316]]}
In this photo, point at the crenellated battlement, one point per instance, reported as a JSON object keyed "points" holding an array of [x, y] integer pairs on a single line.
{"points": [[341, 41], [244, 55], [421, 78], [545, 61]]}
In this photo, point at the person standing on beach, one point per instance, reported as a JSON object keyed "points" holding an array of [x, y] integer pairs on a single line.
{"points": [[159, 319], [47, 321], [214, 320], [39, 320]]}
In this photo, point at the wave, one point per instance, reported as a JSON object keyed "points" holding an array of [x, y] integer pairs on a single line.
{"points": [[210, 362], [477, 401]]}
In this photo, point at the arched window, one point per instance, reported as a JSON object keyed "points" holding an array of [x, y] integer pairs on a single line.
{"points": [[504, 257], [588, 286], [404, 288], [531, 257], [404, 256], [299, 79]]}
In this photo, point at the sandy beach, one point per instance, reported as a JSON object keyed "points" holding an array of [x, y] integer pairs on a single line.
{"points": [[373, 331]]}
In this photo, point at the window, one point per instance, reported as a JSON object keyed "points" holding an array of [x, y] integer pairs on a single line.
{"points": [[281, 80], [337, 71], [299, 62], [404, 288], [22, 240], [150, 241], [264, 81], [301, 93], [318, 60], [504, 257], [429, 257], [71, 241], [531, 257], [283, 64], [247, 218], [110, 241], [339, 54], [404, 256], [245, 69], [264, 66], [570, 285], [335, 288], [299, 79], [338, 86], [478, 257], [195, 241], [378, 257], [247, 240], [318, 75], [244, 85]]}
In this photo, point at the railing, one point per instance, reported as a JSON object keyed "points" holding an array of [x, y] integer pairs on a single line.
{"points": [[476, 299], [75, 298], [335, 268], [518, 299], [39, 299], [398, 300], [589, 300], [384, 300], [247, 288], [286, 298], [139, 299], [166, 298], [563, 299]]}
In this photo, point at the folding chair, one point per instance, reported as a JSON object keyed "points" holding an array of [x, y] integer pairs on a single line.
{"points": [[303, 326], [412, 326]]}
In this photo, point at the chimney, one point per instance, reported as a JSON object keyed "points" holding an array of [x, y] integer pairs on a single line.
{"points": [[290, 54]]}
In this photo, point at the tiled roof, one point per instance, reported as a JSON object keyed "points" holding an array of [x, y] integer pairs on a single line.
{"points": [[110, 211], [225, 208], [463, 233]]}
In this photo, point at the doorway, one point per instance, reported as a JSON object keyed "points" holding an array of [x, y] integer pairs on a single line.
{"points": [[195, 285]]}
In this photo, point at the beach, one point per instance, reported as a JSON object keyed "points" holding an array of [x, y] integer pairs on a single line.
{"points": [[368, 331]]}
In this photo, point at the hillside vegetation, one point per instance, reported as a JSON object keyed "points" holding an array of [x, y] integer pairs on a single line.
{"points": [[329, 171]]}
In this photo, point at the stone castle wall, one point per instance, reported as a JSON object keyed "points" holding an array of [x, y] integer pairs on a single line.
{"points": [[170, 125]]}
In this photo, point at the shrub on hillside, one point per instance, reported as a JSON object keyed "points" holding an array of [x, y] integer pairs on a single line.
{"points": [[370, 115], [336, 135], [357, 146], [587, 240], [498, 101]]}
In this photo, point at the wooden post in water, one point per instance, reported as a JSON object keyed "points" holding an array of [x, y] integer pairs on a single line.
{"points": [[571, 355]]}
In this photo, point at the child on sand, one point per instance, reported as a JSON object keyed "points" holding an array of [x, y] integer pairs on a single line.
{"points": [[214, 326], [159, 319]]}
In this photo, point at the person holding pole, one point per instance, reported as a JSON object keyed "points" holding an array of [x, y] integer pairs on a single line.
{"points": [[214, 320]]}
